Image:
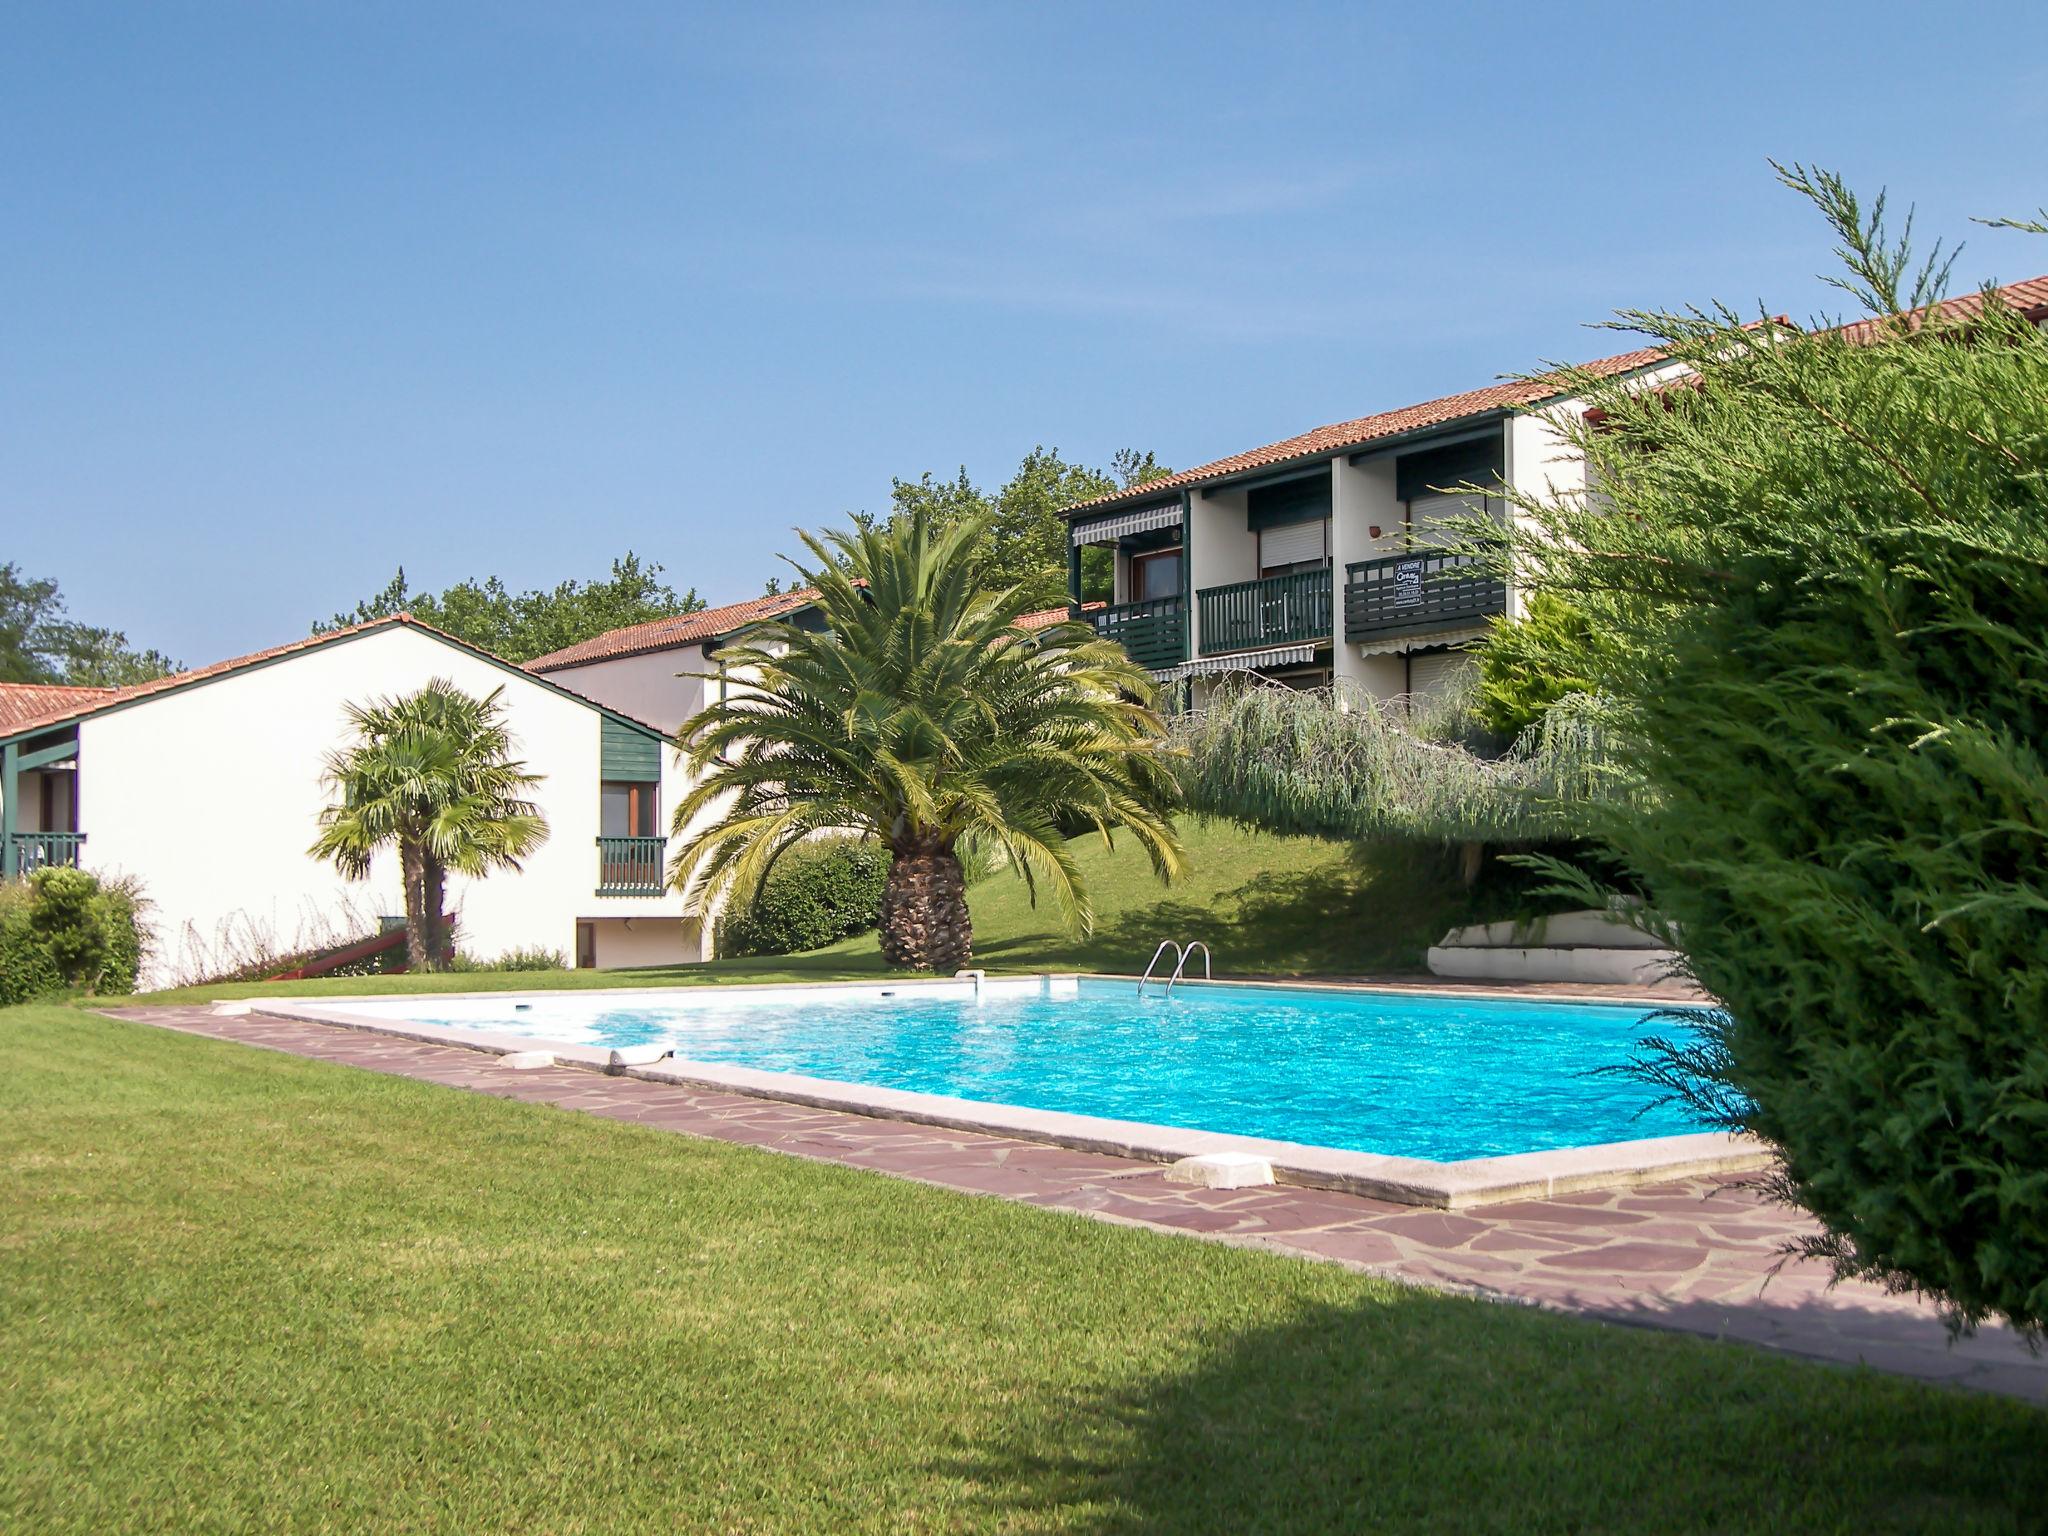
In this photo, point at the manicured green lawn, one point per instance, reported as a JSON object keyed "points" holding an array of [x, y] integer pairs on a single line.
{"points": [[240, 1291]]}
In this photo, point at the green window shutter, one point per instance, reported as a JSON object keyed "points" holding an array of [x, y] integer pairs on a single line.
{"points": [[629, 756]]}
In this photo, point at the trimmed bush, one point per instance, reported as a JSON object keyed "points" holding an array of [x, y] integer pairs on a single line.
{"points": [[820, 892], [63, 928], [1530, 664], [536, 958]]}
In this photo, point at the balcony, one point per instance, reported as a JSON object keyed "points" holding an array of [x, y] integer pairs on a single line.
{"points": [[631, 866], [27, 852], [1279, 610], [1415, 594], [1154, 634]]}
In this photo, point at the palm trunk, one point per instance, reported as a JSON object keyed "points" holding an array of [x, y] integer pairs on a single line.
{"points": [[924, 921], [418, 943], [1471, 863], [433, 900]]}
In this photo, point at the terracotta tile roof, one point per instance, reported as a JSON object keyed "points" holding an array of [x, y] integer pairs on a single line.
{"points": [[21, 703], [96, 699], [2030, 297], [666, 634], [1045, 618], [1345, 435]]}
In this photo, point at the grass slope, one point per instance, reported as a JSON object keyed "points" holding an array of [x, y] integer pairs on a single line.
{"points": [[1265, 905], [240, 1291]]}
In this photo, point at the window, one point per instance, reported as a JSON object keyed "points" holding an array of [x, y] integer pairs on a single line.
{"points": [[1294, 547], [1155, 575], [1434, 517], [586, 946], [626, 810]]}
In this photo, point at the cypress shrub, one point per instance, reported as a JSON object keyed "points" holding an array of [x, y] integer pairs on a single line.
{"points": [[1824, 576], [819, 892]]}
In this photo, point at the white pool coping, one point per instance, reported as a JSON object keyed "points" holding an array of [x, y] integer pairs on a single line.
{"points": [[1408, 1180]]}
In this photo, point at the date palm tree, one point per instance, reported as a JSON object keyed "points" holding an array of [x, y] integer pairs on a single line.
{"points": [[922, 714], [430, 775]]}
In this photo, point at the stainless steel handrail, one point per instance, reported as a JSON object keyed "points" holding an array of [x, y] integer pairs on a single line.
{"points": [[1179, 958], [1192, 946]]}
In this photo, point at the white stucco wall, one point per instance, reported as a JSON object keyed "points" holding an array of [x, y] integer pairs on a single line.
{"points": [[1540, 463], [1363, 498], [647, 687], [1221, 549], [210, 795]]}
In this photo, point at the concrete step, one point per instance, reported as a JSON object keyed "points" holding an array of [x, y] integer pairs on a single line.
{"points": [[1582, 962]]}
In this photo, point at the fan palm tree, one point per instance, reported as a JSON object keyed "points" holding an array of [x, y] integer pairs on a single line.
{"points": [[430, 775], [921, 715]]}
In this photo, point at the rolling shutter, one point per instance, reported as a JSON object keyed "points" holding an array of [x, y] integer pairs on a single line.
{"points": [[1293, 544], [1433, 672], [1427, 513]]}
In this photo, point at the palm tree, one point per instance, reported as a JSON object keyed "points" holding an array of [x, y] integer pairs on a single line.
{"points": [[922, 714], [431, 775]]}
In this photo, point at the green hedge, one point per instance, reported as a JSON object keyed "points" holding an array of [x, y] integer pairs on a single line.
{"points": [[63, 928], [819, 893]]}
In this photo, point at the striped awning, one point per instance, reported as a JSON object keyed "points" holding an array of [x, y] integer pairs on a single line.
{"points": [[1394, 645], [1239, 661], [1118, 525]]}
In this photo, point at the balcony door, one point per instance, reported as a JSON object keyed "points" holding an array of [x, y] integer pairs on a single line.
{"points": [[626, 810], [1155, 576]]}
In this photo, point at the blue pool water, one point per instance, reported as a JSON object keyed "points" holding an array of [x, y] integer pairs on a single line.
{"points": [[1443, 1078]]}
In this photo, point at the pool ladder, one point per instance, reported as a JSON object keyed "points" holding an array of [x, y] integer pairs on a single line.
{"points": [[1181, 952]]}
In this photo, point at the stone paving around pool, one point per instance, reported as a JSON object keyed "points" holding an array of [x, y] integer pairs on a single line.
{"points": [[1699, 1255]]}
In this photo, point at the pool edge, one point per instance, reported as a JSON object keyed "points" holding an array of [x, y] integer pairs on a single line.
{"points": [[1404, 1180]]}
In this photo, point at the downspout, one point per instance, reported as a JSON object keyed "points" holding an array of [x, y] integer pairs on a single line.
{"points": [[10, 795], [1187, 593]]}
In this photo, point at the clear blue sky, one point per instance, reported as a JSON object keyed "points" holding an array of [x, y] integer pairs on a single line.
{"points": [[292, 293]]}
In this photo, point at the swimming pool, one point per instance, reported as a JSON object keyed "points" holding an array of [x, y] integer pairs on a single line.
{"points": [[1437, 1077]]}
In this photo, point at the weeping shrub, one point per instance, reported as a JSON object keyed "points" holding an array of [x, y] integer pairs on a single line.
{"points": [[1825, 575], [1330, 764], [820, 892]]}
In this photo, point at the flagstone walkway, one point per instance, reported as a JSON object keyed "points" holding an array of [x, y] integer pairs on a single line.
{"points": [[1696, 1255]]}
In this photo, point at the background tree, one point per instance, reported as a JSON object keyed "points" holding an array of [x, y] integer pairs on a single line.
{"points": [[1026, 545], [920, 716], [39, 645], [1822, 581], [522, 625], [431, 776]]}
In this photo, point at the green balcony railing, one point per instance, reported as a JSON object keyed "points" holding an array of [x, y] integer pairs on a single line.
{"points": [[1414, 594], [27, 852], [1154, 634], [631, 866], [1279, 610]]}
